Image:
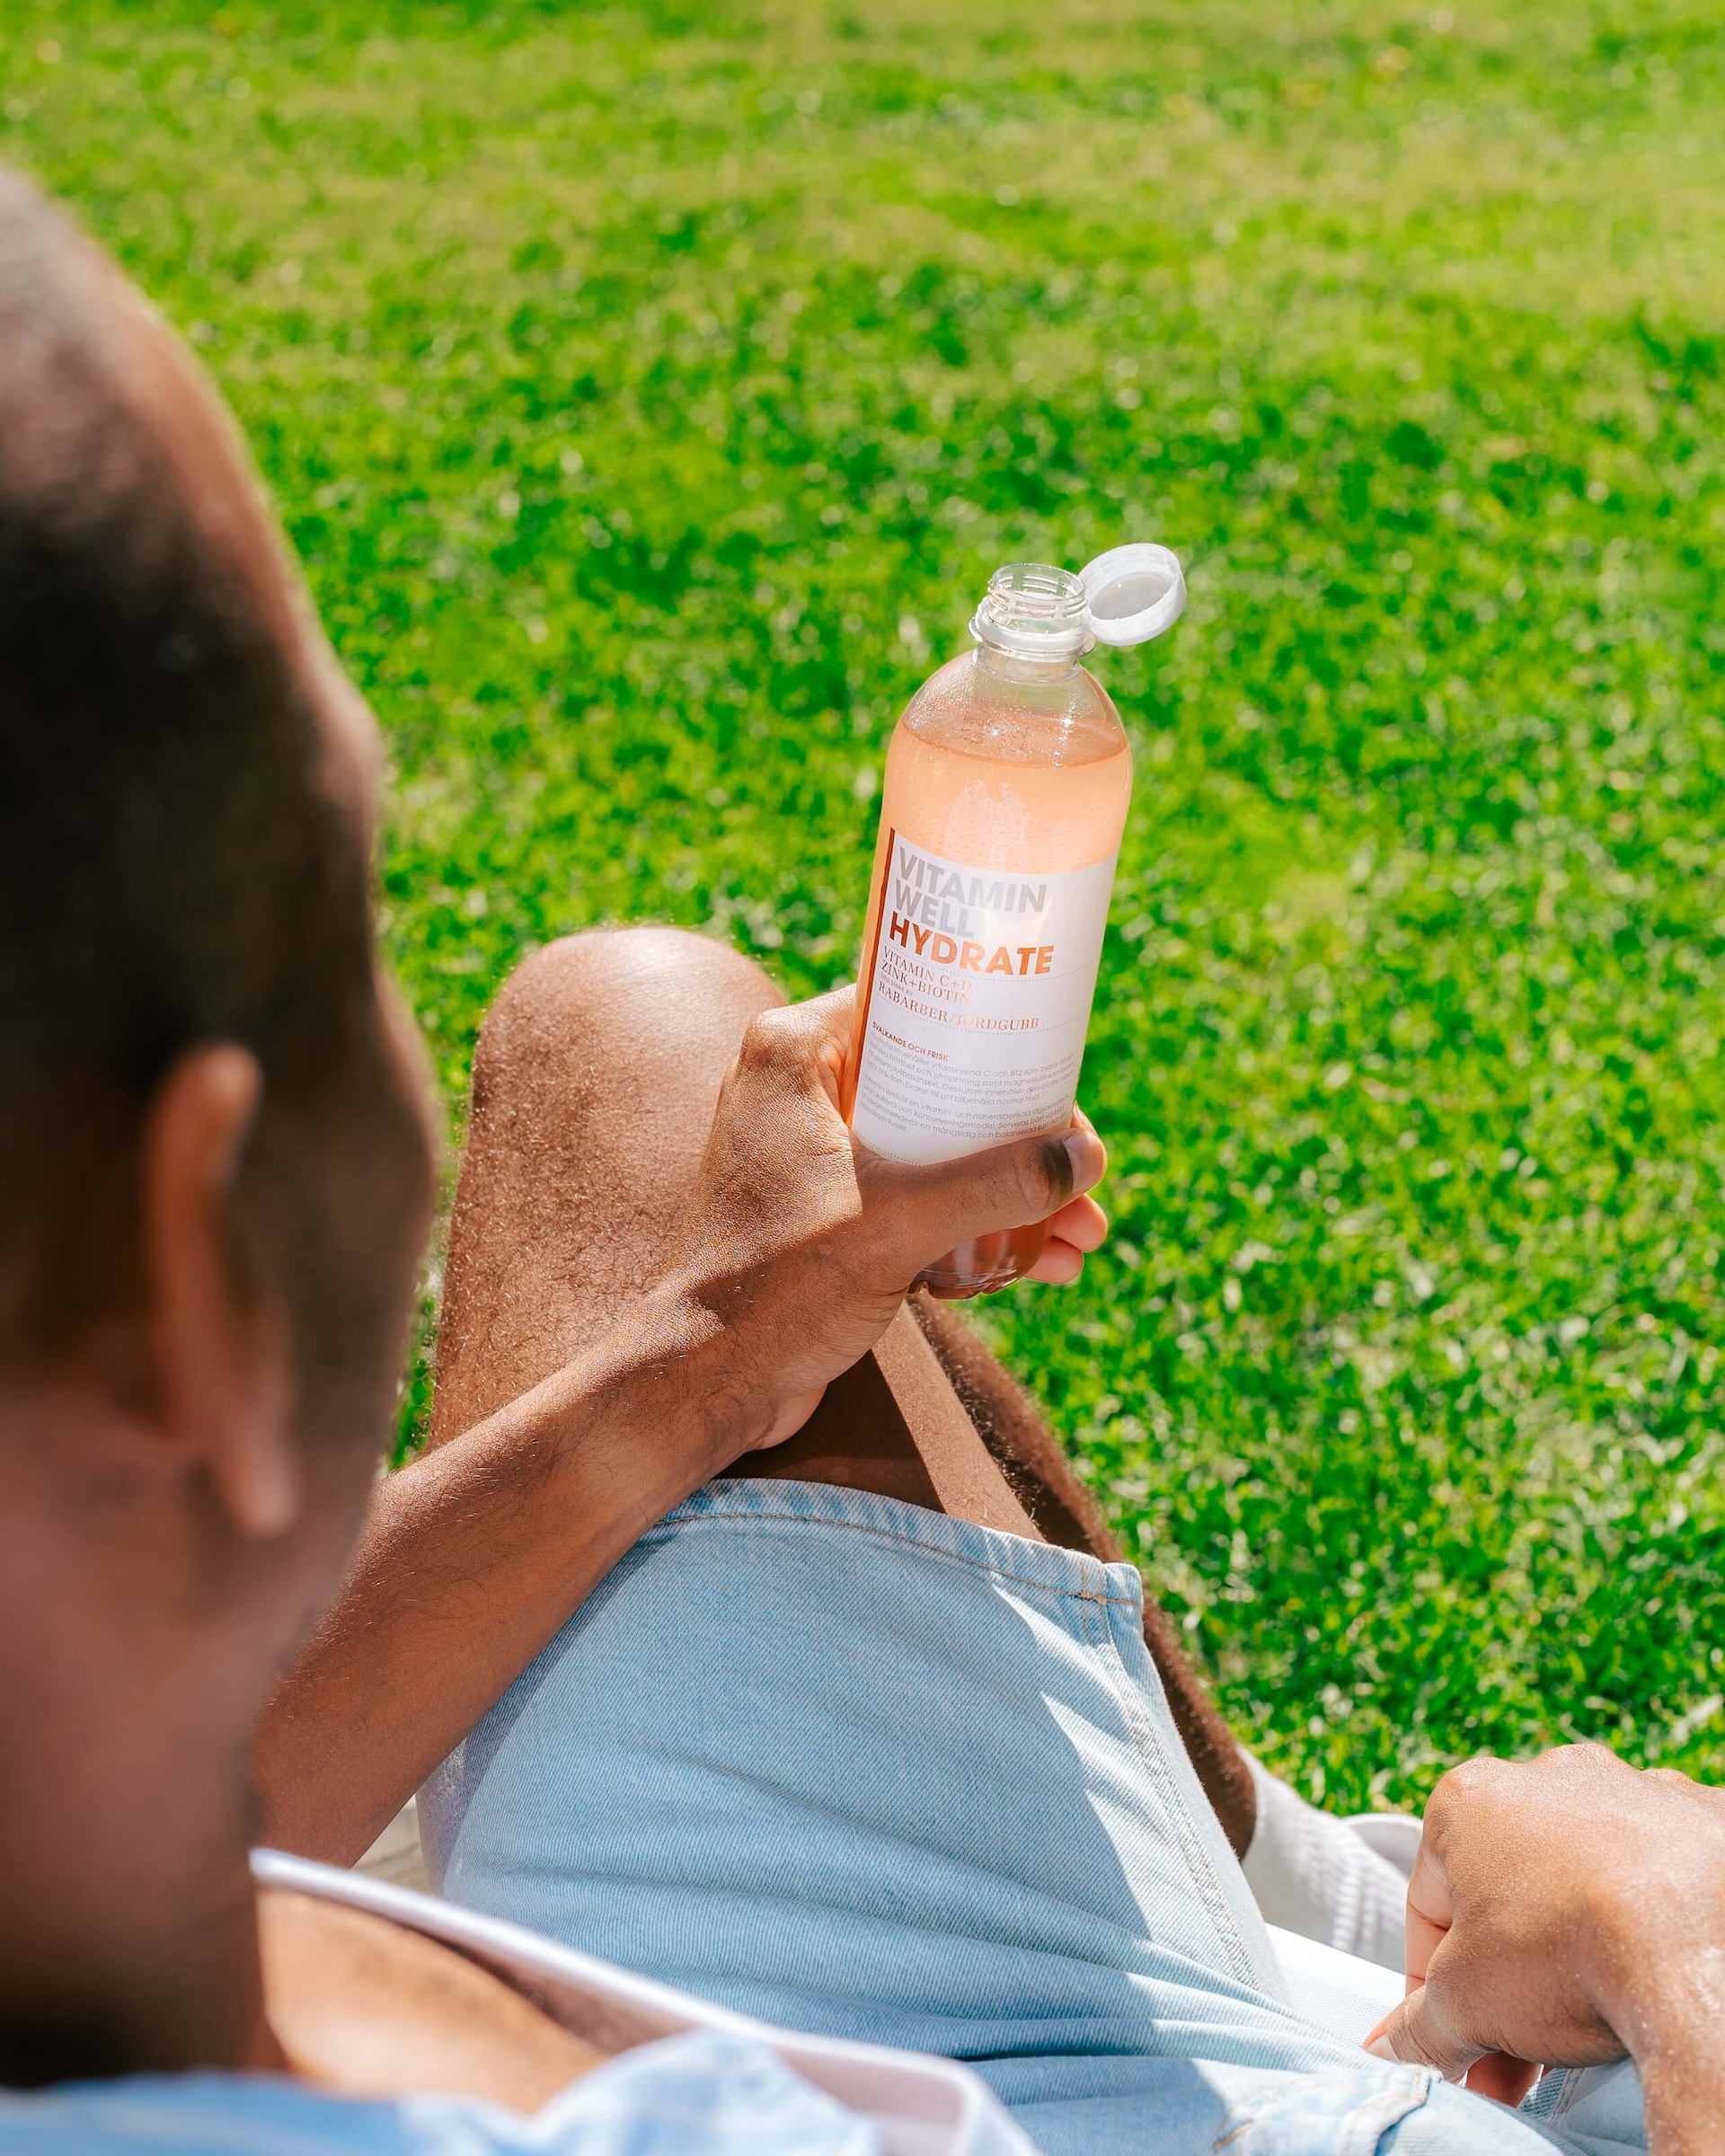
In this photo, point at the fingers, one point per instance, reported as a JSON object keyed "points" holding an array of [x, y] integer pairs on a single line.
{"points": [[1081, 1222], [1414, 2032], [1007, 1187], [1429, 1913], [1418, 2034], [948, 1202], [1075, 1230], [802, 1042], [1505, 2080]]}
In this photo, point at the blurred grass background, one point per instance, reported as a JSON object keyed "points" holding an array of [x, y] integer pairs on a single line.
{"points": [[649, 390]]}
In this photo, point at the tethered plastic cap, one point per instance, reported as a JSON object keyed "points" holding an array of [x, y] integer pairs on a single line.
{"points": [[1132, 593]]}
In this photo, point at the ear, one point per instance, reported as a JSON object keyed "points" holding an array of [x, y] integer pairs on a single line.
{"points": [[221, 1362]]}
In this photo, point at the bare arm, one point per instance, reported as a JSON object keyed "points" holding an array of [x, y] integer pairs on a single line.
{"points": [[471, 1560], [795, 1254]]}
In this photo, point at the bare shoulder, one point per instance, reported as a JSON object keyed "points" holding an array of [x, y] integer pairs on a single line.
{"points": [[368, 2008]]}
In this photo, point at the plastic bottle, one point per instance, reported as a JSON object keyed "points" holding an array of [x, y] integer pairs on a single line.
{"points": [[1006, 789]]}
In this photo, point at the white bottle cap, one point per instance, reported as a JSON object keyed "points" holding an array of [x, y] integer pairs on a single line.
{"points": [[1132, 593]]}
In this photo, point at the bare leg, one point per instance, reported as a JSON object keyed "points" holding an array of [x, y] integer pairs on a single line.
{"points": [[593, 1091], [594, 1087]]}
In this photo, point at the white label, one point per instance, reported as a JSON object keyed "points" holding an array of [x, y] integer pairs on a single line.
{"points": [[978, 989]]}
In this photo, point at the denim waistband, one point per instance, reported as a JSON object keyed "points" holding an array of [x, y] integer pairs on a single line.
{"points": [[1010, 1558]]}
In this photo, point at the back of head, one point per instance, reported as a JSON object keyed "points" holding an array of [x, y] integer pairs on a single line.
{"points": [[214, 1165], [176, 864]]}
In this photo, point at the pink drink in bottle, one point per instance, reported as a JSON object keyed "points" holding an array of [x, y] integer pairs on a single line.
{"points": [[1007, 783]]}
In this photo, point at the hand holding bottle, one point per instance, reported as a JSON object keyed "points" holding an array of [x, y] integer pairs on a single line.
{"points": [[1007, 783], [801, 1243]]}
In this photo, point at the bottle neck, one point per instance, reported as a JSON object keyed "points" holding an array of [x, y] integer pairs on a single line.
{"points": [[1032, 624], [1014, 666]]}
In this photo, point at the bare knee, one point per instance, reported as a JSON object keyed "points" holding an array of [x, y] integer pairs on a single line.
{"points": [[612, 993], [603, 966]]}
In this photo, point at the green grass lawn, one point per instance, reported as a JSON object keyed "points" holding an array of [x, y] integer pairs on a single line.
{"points": [[650, 392]]}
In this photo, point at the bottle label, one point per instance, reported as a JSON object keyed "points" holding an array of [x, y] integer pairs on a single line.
{"points": [[978, 988]]}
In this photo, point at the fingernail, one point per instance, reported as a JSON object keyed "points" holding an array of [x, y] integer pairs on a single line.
{"points": [[1085, 1151]]}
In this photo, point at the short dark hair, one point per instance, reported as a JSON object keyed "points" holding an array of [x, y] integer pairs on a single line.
{"points": [[172, 867]]}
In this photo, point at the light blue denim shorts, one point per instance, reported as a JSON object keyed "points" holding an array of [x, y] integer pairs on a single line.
{"points": [[857, 1768]]}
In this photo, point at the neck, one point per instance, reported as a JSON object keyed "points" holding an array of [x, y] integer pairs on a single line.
{"points": [[130, 1943], [140, 1963]]}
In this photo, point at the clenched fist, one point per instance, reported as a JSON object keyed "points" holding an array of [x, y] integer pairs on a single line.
{"points": [[1569, 1909]]}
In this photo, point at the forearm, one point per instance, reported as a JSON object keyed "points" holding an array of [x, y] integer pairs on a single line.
{"points": [[474, 1557], [1664, 1999]]}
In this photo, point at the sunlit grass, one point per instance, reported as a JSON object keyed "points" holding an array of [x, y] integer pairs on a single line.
{"points": [[650, 392]]}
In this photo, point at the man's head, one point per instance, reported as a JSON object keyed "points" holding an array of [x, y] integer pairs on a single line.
{"points": [[214, 1166]]}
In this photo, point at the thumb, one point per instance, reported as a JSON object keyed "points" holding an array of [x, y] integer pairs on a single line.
{"points": [[1007, 1187], [1418, 2034]]}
